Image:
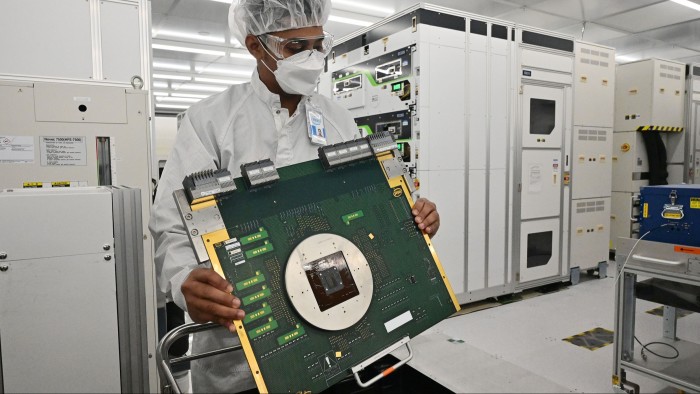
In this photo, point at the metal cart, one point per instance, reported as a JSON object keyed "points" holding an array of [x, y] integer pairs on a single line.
{"points": [[671, 277]]}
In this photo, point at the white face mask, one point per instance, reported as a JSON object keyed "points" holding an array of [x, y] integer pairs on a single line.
{"points": [[298, 74]]}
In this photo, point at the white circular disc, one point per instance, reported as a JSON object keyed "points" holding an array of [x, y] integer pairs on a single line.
{"points": [[342, 281]]}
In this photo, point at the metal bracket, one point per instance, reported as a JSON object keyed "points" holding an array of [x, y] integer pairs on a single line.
{"points": [[198, 222], [356, 369]]}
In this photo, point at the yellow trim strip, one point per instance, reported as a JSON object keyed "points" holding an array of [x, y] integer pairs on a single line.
{"points": [[399, 182], [201, 204], [209, 241]]}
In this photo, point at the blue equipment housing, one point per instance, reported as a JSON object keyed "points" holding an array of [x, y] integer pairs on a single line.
{"points": [[671, 214]]}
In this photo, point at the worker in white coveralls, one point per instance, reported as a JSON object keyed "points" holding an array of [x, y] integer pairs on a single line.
{"points": [[266, 118]]}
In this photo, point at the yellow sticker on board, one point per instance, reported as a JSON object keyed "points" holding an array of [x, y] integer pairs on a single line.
{"points": [[646, 210], [695, 202]]}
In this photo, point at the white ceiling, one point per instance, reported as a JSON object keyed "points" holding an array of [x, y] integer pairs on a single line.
{"points": [[638, 29]]}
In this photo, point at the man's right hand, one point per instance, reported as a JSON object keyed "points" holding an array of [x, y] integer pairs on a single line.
{"points": [[209, 298]]}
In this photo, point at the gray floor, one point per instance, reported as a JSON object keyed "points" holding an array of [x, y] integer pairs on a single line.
{"points": [[518, 347]]}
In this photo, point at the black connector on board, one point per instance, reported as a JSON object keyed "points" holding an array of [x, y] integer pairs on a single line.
{"points": [[345, 152], [259, 173], [204, 185]]}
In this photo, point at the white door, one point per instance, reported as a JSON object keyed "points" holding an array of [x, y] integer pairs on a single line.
{"points": [[539, 249], [543, 116], [541, 184]]}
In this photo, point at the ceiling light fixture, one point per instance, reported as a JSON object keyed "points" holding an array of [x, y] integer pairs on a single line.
{"points": [[160, 84], [353, 5], [223, 71], [189, 36], [160, 93], [224, 81], [200, 88], [190, 95], [173, 106], [246, 56], [172, 77], [188, 50], [223, 1], [171, 66], [348, 21], [177, 99], [625, 58], [688, 4]]}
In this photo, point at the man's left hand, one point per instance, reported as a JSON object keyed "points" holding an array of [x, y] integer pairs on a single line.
{"points": [[426, 216]]}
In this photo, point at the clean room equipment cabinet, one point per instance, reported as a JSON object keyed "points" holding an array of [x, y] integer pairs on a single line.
{"points": [[692, 123], [649, 98], [56, 135], [443, 82], [72, 291], [591, 155], [96, 41], [545, 109]]}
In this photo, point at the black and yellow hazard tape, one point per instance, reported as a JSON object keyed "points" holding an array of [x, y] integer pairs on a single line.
{"points": [[592, 339], [659, 311], [667, 129]]}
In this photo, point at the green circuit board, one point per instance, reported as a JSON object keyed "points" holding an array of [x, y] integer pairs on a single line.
{"points": [[410, 292]]}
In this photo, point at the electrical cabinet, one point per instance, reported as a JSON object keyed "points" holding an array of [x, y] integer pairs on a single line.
{"points": [[73, 303], [65, 135], [443, 83], [692, 123], [539, 252], [592, 155]]}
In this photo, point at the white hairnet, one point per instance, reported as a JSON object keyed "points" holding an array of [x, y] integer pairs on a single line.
{"points": [[266, 16]]}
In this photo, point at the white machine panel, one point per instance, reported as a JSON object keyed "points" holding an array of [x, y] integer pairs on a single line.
{"points": [[594, 85], [591, 174], [629, 162], [590, 232], [621, 212], [121, 41], [71, 317], [649, 92], [539, 249], [692, 124], [541, 184], [543, 116]]}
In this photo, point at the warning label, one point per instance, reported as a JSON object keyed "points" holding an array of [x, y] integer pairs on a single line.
{"points": [[16, 149], [63, 151], [695, 202]]}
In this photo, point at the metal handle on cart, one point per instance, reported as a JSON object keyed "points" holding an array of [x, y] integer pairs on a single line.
{"points": [[356, 369], [165, 363]]}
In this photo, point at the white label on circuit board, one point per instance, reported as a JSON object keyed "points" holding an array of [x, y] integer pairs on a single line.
{"points": [[398, 321], [16, 149]]}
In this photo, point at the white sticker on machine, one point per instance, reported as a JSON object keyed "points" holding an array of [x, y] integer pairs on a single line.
{"points": [[63, 151], [398, 321], [16, 149]]}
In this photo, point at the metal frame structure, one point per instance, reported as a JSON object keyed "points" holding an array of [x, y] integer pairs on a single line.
{"points": [[662, 261]]}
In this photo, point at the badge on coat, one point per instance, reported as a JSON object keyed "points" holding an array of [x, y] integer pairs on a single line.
{"points": [[317, 130]]}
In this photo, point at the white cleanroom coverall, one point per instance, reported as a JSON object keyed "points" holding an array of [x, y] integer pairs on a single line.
{"points": [[243, 124]]}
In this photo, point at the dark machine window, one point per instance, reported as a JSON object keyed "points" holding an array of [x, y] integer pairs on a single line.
{"points": [[539, 249], [542, 115]]}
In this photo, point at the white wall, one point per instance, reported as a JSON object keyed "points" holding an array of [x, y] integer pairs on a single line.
{"points": [[165, 131]]}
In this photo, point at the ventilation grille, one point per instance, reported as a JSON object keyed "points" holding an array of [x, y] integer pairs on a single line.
{"points": [[590, 206], [592, 135], [595, 54]]}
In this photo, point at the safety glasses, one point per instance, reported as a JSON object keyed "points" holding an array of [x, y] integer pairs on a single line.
{"points": [[286, 47]]}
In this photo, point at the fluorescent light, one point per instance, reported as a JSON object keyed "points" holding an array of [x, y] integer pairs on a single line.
{"points": [[160, 84], [225, 71], [192, 95], [188, 49], [353, 5], [190, 36], [688, 4], [172, 66], [177, 99], [172, 77], [625, 59], [224, 1], [348, 21], [173, 106], [160, 93], [235, 43], [215, 80], [246, 56], [201, 88]]}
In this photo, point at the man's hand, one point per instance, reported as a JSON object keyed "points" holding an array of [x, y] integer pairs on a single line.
{"points": [[209, 298], [426, 216]]}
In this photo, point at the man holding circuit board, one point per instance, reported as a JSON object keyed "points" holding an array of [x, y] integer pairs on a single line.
{"points": [[278, 116]]}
